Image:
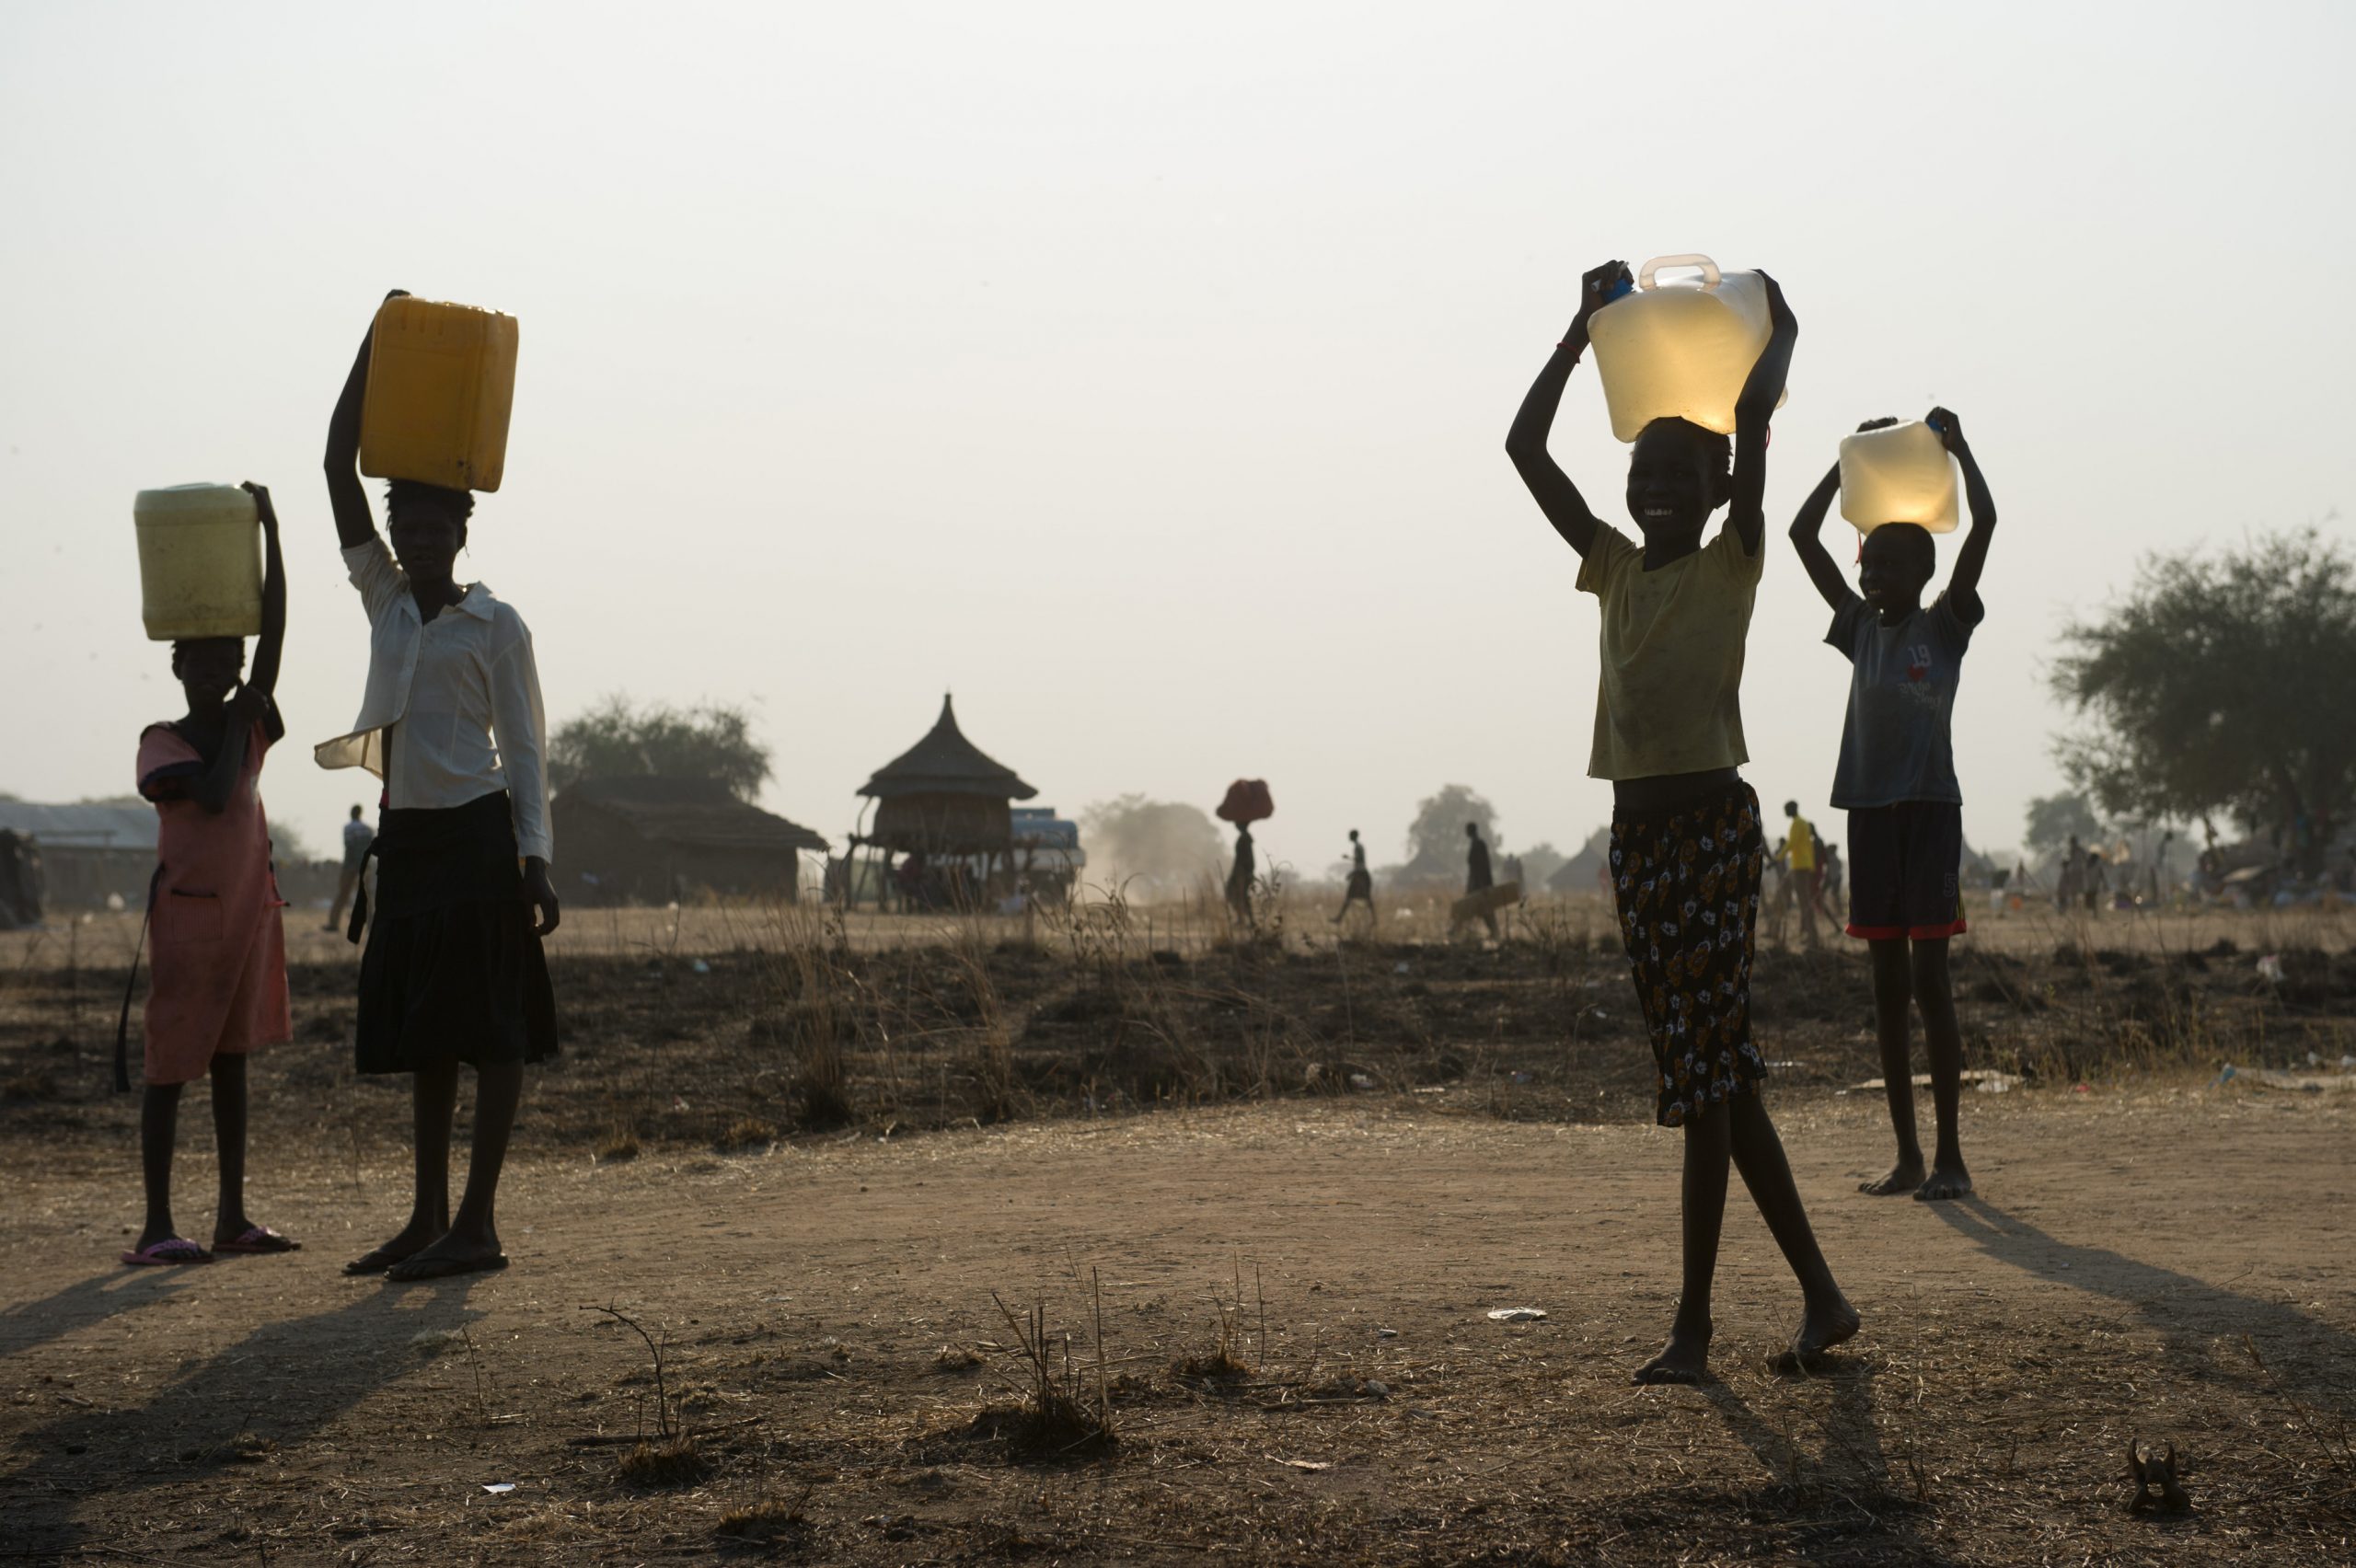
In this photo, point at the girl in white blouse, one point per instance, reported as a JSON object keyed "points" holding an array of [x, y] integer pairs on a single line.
{"points": [[454, 970]]}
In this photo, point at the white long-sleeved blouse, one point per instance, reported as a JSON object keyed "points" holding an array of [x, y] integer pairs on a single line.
{"points": [[459, 696]]}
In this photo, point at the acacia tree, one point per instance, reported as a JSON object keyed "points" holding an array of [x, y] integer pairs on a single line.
{"points": [[618, 738], [2054, 820], [1436, 838], [2224, 683]]}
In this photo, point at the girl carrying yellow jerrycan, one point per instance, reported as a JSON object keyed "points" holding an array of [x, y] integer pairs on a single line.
{"points": [[219, 986]]}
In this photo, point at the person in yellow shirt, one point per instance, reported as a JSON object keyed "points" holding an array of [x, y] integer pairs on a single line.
{"points": [[1803, 876]]}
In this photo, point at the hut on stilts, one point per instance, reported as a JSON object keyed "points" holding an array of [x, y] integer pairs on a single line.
{"points": [[945, 801]]}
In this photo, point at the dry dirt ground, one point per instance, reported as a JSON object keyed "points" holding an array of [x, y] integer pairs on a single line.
{"points": [[1292, 1292]]}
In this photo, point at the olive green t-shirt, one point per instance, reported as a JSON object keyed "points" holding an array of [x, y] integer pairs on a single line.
{"points": [[1667, 697]]}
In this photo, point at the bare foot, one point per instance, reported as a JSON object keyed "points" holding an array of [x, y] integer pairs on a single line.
{"points": [[1948, 1179], [1824, 1325], [1904, 1177], [1685, 1359]]}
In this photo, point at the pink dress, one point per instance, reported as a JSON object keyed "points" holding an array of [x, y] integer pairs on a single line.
{"points": [[217, 949]]}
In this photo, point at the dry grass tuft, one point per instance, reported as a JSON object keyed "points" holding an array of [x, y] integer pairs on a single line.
{"points": [[676, 1461], [746, 1132], [771, 1521], [1059, 1417], [622, 1146]]}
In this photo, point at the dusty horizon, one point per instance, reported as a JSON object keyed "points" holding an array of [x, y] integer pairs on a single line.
{"points": [[1145, 390]]}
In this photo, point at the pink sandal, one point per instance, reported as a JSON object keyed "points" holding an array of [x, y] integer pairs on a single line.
{"points": [[257, 1239], [171, 1249]]}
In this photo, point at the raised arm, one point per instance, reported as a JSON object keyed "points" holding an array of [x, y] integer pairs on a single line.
{"points": [[1807, 530], [1754, 410], [1526, 442], [263, 677], [212, 789], [355, 524], [1973, 557]]}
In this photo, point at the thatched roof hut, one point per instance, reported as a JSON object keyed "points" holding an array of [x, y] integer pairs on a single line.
{"points": [[649, 839], [944, 796]]}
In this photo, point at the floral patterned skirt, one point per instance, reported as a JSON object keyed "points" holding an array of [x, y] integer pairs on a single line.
{"points": [[1686, 881]]}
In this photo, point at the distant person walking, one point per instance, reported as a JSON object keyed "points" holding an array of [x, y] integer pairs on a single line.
{"points": [[219, 985], [454, 971], [1240, 876], [1360, 887], [357, 836], [2095, 881], [1798, 849], [1897, 780], [1477, 876], [2071, 878]]}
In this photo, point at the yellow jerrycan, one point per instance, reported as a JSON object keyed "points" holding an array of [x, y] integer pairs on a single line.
{"points": [[1680, 349], [1900, 473], [441, 382], [200, 561]]}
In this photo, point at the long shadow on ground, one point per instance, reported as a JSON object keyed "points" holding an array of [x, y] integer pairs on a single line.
{"points": [[79, 1487]]}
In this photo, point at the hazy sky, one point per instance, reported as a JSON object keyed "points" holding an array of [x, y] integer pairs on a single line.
{"points": [[1142, 374]]}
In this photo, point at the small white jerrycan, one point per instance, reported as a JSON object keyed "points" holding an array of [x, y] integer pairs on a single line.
{"points": [[200, 561], [1680, 349], [1900, 473]]}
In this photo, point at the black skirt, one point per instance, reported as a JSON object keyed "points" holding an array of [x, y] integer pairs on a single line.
{"points": [[452, 970]]}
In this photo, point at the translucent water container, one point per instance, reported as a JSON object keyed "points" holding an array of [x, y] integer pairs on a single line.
{"points": [[440, 381], [1680, 349], [200, 561], [1900, 473]]}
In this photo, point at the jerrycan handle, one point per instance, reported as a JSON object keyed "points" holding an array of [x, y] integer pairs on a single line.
{"points": [[1710, 274]]}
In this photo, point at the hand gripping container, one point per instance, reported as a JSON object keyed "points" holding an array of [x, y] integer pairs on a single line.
{"points": [[1900, 473], [440, 381], [200, 561], [1680, 349]]}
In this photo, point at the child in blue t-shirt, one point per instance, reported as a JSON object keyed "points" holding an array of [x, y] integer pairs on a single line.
{"points": [[1897, 781]]}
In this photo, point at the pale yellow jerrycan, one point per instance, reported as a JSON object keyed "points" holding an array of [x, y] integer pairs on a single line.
{"points": [[1900, 473], [441, 382], [1680, 349], [200, 561]]}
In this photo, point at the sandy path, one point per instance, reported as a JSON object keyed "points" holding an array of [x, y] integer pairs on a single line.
{"points": [[2160, 1222]]}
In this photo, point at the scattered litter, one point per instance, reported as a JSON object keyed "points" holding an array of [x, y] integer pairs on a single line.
{"points": [[2225, 1076], [2269, 967], [1987, 1080], [2305, 1083], [1523, 1077], [1517, 1314], [1784, 1066], [1301, 1464], [701, 967], [1400, 967], [1386, 1334], [1378, 1390], [2082, 1088], [1361, 1080], [498, 1488]]}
